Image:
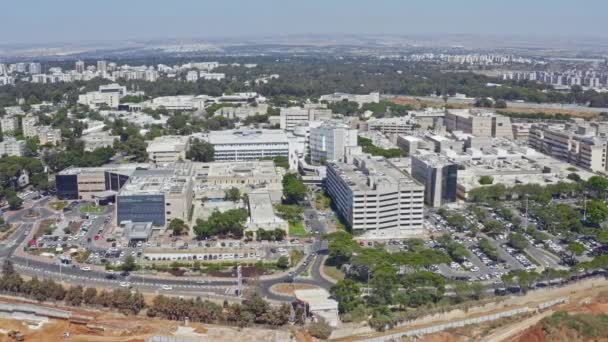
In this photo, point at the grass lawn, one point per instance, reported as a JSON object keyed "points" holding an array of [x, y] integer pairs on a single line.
{"points": [[297, 228], [58, 205], [333, 272], [90, 208]]}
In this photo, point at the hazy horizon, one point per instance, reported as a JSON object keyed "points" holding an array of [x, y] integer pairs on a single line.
{"points": [[37, 21]]}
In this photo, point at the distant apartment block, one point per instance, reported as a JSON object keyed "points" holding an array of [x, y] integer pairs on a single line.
{"points": [[12, 147], [48, 135], [28, 124], [97, 140], [9, 124]]}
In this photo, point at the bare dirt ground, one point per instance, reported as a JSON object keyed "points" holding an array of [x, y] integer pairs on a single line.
{"points": [[416, 103], [110, 327], [528, 328]]}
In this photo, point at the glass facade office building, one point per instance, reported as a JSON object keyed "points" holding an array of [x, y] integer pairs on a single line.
{"points": [[141, 208], [67, 186]]}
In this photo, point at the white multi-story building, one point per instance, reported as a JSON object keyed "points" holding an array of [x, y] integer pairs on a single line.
{"points": [[28, 124], [192, 76], [39, 78], [102, 66], [328, 142], [96, 99], [168, 149], [7, 80], [212, 76], [242, 145], [480, 123], [360, 99], [113, 88], [9, 124], [12, 147], [48, 135], [371, 194], [79, 67], [589, 152], [295, 116], [97, 140], [397, 125], [35, 68]]}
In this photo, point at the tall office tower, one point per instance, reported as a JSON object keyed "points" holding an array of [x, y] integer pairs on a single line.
{"points": [[35, 68], [80, 67], [102, 66], [329, 141]]}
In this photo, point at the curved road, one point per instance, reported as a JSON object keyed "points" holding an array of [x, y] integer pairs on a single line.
{"points": [[187, 287]]}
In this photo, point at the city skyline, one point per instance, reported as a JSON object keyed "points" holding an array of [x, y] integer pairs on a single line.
{"points": [[34, 22]]}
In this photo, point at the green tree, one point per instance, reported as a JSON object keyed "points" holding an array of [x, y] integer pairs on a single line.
{"points": [[233, 194], [348, 294], [597, 212], [384, 284], [576, 248], [486, 180], [89, 295], [518, 241], [283, 263], [341, 247], [228, 223], [294, 189], [178, 226], [129, 264], [74, 296], [14, 202], [281, 161], [320, 329], [291, 213], [201, 151]]}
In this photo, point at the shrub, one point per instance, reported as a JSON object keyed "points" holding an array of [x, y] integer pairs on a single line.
{"points": [[320, 329]]}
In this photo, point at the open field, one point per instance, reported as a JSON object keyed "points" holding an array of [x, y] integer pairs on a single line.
{"points": [[58, 205], [521, 108], [333, 272], [297, 228], [90, 208]]}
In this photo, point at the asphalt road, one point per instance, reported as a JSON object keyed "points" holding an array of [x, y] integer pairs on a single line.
{"points": [[187, 287]]}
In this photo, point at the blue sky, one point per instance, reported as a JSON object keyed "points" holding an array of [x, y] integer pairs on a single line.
{"points": [[76, 20]]}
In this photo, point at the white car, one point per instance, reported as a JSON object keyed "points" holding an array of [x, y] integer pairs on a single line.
{"points": [[125, 284], [167, 287], [86, 268]]}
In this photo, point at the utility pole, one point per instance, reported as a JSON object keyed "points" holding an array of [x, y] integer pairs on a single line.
{"points": [[585, 207], [239, 276], [527, 219]]}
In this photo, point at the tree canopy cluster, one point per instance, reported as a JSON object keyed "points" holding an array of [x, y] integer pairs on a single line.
{"points": [[224, 224], [294, 190], [368, 147]]}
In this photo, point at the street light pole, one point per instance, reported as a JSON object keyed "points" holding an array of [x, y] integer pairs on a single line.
{"points": [[585, 207], [527, 219]]}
